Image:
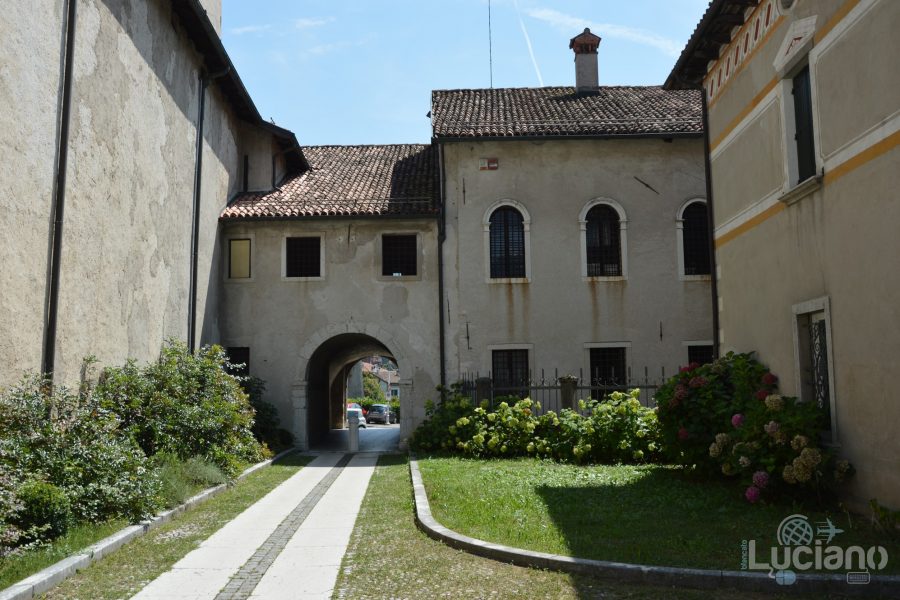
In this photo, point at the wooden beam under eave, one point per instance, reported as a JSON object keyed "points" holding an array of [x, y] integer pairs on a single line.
{"points": [[730, 19]]}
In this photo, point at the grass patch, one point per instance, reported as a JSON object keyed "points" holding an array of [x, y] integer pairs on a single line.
{"points": [[181, 479], [388, 557], [647, 514], [127, 571]]}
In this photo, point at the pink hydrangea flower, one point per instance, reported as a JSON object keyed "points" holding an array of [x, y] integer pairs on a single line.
{"points": [[771, 427], [762, 395], [770, 378], [696, 382], [737, 420], [681, 392], [752, 494], [683, 434], [761, 479]]}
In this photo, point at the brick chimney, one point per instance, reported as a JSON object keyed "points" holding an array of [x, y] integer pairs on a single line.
{"points": [[585, 46]]}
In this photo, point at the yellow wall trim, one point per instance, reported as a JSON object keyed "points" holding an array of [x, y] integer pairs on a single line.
{"points": [[870, 153], [835, 19], [849, 165], [743, 114], [750, 224]]}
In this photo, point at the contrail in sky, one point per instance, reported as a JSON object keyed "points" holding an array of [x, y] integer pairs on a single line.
{"points": [[537, 69]]}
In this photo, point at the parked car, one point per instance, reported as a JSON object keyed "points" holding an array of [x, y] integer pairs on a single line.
{"points": [[357, 405], [379, 413], [358, 411], [394, 417]]}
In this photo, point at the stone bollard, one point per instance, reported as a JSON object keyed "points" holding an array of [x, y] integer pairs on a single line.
{"points": [[353, 437], [567, 387]]}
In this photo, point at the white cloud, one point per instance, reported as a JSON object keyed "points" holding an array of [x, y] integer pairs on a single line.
{"points": [[574, 25], [249, 29], [310, 22]]}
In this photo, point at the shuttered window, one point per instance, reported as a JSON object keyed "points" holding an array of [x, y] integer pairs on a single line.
{"points": [[806, 160], [507, 243], [238, 259], [695, 238]]}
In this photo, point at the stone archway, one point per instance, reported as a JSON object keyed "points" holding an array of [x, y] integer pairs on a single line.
{"points": [[321, 372]]}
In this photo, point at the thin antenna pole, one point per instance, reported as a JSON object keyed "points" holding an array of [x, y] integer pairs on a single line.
{"points": [[490, 46]]}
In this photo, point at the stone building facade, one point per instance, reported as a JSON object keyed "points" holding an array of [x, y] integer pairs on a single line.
{"points": [[804, 112]]}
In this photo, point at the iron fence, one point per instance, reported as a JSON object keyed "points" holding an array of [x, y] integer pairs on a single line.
{"points": [[548, 391]]}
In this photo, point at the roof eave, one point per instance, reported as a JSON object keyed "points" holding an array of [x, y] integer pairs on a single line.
{"points": [[518, 138]]}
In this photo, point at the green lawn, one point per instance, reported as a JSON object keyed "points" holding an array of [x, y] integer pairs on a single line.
{"points": [[639, 514], [125, 572], [388, 557]]}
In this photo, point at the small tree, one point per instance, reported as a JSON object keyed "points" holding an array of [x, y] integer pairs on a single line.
{"points": [[372, 389]]}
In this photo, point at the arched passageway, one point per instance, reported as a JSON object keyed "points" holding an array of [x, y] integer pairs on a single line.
{"points": [[321, 405]]}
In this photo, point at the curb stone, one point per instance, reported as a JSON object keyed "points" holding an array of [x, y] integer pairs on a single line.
{"points": [[42, 581], [887, 586]]}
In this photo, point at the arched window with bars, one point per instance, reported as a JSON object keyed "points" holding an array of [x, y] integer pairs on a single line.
{"points": [[507, 243], [693, 229], [603, 242]]}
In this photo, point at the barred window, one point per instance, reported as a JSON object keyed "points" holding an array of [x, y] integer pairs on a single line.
{"points": [[604, 247], [507, 243], [700, 354], [695, 239], [608, 366], [303, 257], [398, 255], [510, 371]]}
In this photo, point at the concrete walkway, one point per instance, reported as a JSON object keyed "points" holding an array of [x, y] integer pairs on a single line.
{"points": [[287, 545]]}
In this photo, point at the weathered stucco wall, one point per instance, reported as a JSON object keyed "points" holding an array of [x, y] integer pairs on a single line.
{"points": [[129, 195], [29, 94], [284, 322], [835, 241], [558, 311]]}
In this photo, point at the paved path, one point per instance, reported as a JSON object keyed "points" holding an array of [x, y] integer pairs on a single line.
{"points": [[287, 545]]}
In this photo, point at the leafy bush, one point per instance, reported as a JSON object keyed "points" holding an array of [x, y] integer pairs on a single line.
{"points": [[727, 418], [372, 389], [186, 405], [617, 429], [45, 508], [71, 442], [266, 426], [698, 402], [182, 479], [395, 408]]}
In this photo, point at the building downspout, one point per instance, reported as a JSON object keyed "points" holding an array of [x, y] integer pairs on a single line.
{"points": [[714, 279], [442, 235], [205, 80], [59, 201]]}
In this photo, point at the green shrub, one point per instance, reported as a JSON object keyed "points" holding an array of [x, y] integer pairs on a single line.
{"points": [[45, 508], [73, 443], [700, 401], [617, 429], [726, 418], [372, 389], [395, 408], [185, 404]]}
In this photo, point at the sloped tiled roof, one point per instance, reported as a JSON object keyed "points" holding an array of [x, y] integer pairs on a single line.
{"points": [[350, 181], [560, 111]]}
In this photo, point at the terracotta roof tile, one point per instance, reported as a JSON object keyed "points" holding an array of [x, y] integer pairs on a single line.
{"points": [[560, 111], [350, 181]]}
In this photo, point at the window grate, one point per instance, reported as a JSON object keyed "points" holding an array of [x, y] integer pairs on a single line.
{"points": [[702, 355], [608, 366], [695, 238], [398, 255], [510, 371], [303, 257], [604, 247], [507, 243]]}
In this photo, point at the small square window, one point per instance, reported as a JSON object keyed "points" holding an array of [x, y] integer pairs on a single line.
{"points": [[702, 355], [239, 259], [303, 257], [239, 357], [608, 366], [510, 372], [398, 255]]}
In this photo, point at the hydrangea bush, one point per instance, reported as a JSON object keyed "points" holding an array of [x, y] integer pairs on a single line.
{"points": [[727, 418], [617, 429]]}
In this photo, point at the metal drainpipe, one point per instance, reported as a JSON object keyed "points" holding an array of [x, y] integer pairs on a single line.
{"points": [[714, 284], [442, 235], [59, 201], [205, 80]]}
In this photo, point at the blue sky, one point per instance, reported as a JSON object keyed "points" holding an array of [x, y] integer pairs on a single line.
{"points": [[361, 71]]}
